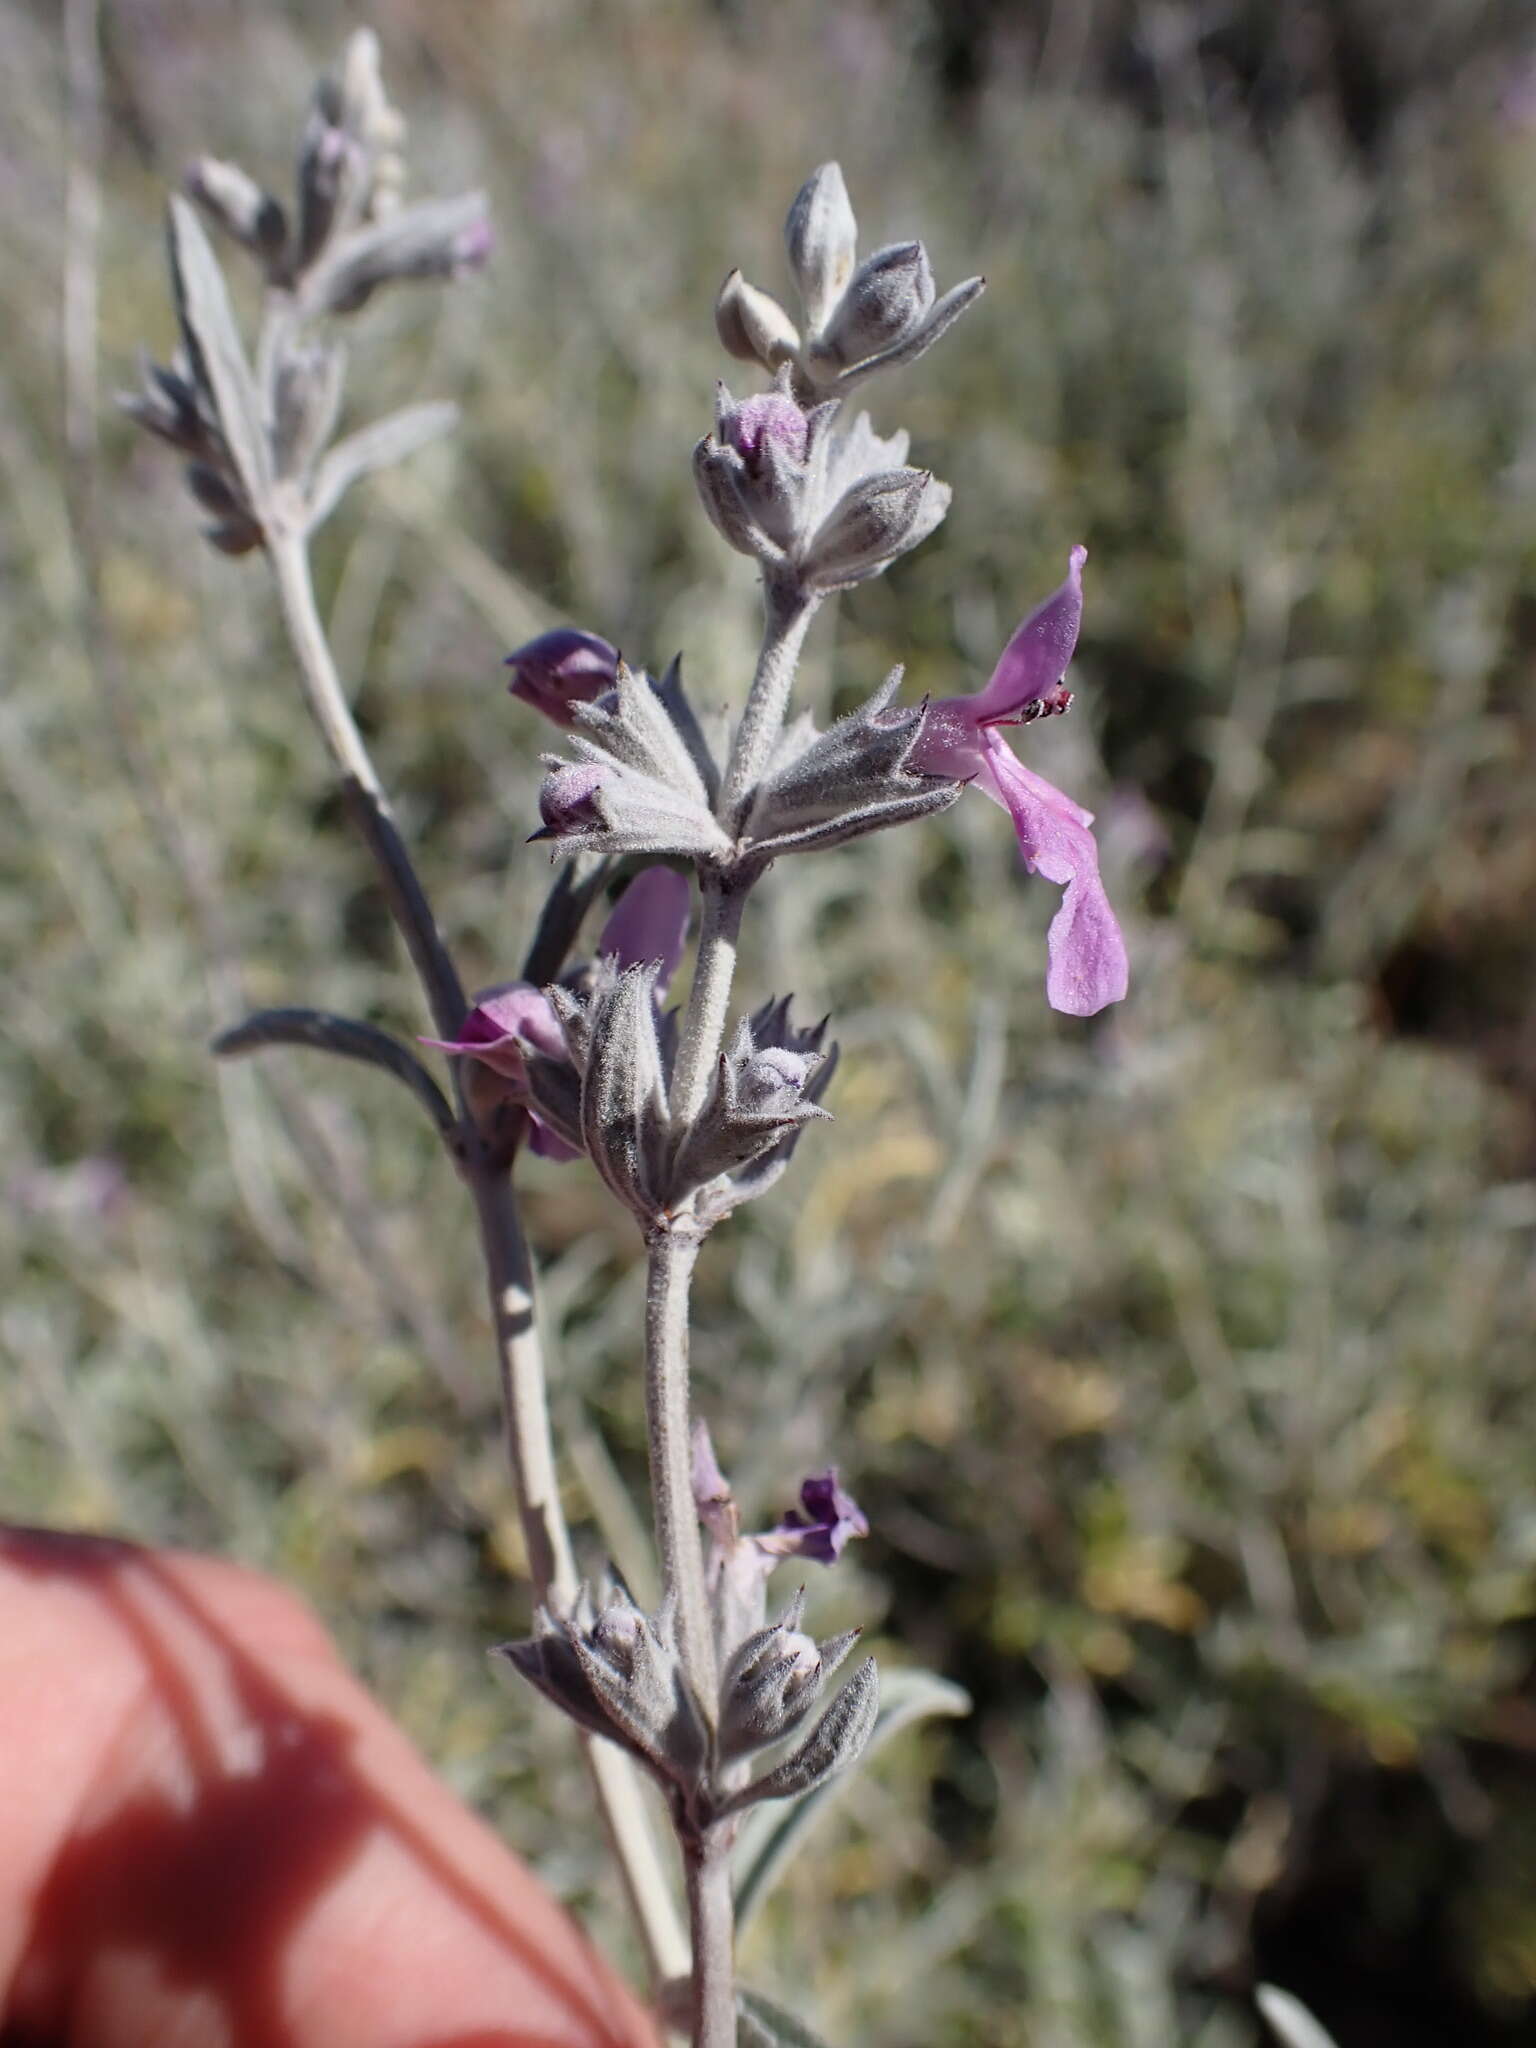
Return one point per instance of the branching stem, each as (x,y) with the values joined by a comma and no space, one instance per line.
(711,1921)
(788,608)
(680,1550)
(509,1271)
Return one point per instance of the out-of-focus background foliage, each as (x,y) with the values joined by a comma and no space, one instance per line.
(1183,1361)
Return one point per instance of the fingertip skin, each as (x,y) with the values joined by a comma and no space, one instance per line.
(213,1833)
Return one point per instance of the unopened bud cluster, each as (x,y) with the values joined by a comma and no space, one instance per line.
(260,437)
(858,317)
(619,1673)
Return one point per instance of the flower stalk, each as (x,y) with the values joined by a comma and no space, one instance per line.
(719,1706)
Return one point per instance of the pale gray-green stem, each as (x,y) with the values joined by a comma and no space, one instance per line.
(671,1254)
(788,608)
(712,1925)
(709,999)
(519,1353)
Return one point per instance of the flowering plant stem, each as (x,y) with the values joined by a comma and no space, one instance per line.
(673,1250)
(509,1270)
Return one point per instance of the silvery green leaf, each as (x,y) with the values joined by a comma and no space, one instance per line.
(345,1036)
(216,352)
(1294,2026)
(833,1744)
(764,2024)
(385,442)
(821,237)
(438,238)
(771,1835)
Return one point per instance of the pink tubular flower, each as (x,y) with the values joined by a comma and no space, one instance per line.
(563,667)
(649,922)
(961,737)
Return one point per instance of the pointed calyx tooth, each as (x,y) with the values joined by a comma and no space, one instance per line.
(770,1027)
(615,1672)
(761,1095)
(835,1742)
(854,778)
(887,296)
(625,1127)
(643,780)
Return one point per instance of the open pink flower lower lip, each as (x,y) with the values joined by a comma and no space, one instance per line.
(962,737)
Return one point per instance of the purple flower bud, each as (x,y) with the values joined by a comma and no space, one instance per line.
(563,667)
(568,800)
(820,1528)
(503,1021)
(772,417)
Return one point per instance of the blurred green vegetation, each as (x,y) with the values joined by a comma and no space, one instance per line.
(1183,1361)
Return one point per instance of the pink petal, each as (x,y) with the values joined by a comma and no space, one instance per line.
(503,1021)
(650,922)
(544,1141)
(1036,658)
(1088,967)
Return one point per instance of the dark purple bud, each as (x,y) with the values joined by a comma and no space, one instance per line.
(563,667)
(822,1526)
(568,800)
